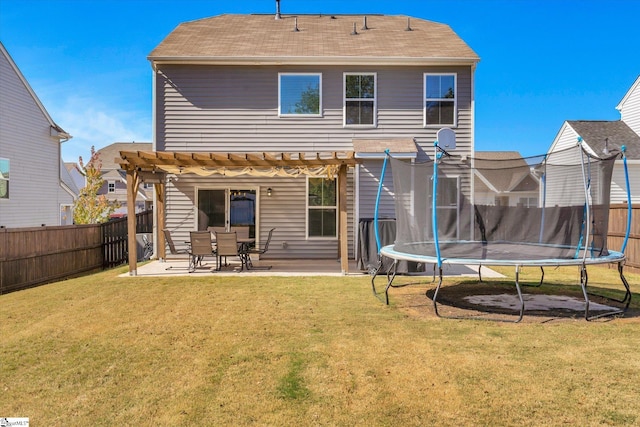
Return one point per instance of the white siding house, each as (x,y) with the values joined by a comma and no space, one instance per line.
(305,84)
(32,190)
(603,138)
(629,107)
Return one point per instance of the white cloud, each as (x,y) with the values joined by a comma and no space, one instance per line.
(94,124)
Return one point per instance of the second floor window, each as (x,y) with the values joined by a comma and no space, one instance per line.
(440,100)
(111,187)
(4,178)
(299,94)
(359,99)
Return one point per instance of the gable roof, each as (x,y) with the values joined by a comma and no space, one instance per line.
(320,39)
(614,134)
(56,130)
(634,86)
(503,171)
(110,155)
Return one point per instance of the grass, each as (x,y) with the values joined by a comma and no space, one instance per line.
(104,350)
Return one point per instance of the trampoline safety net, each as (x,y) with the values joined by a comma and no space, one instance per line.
(501,206)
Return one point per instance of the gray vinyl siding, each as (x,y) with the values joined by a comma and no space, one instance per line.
(370,172)
(205,108)
(285,210)
(235,109)
(34,155)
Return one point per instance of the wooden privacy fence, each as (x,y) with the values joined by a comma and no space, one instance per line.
(617,230)
(32,256)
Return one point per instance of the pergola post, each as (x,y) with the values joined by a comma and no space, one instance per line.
(342,221)
(159,209)
(132,190)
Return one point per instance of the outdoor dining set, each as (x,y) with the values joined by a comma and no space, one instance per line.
(222,244)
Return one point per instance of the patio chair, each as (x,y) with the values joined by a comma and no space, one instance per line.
(214,230)
(200,247)
(261,251)
(242,231)
(172,246)
(227,245)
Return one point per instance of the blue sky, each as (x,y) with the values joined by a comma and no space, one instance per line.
(542,62)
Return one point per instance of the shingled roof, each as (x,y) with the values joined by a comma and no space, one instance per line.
(319,39)
(614,134)
(504,170)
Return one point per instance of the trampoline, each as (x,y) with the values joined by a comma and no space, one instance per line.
(545,211)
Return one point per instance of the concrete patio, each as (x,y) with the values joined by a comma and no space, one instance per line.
(282,267)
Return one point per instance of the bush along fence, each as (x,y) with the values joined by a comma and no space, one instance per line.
(38,255)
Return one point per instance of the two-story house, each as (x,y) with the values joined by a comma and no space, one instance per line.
(114,186)
(34,189)
(604,138)
(283,121)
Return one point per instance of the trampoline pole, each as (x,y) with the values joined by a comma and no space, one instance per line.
(586,222)
(434,198)
(629,209)
(376,211)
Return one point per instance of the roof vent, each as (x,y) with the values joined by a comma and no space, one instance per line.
(354,32)
(296,26)
(364,27)
(606,151)
(408,25)
(278,9)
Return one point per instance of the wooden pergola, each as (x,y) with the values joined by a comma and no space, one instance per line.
(152,166)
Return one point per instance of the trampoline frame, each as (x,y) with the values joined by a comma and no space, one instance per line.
(577,260)
(613,257)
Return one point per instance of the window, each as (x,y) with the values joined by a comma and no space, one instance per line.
(359,99)
(440,100)
(111,186)
(300,95)
(4,178)
(322,209)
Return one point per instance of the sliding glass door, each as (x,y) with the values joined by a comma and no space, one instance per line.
(227,208)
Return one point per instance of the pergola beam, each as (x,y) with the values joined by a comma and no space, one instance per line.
(151,160)
(138,163)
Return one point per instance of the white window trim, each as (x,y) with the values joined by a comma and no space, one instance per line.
(425,99)
(281,114)
(375,100)
(109,186)
(307,207)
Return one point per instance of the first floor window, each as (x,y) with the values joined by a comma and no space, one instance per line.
(359,99)
(440,100)
(300,94)
(4,178)
(322,207)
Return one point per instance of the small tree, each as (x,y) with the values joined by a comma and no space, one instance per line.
(91,208)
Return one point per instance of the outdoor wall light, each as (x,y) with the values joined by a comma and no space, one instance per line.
(269,192)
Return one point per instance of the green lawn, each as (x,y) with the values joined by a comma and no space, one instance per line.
(104,350)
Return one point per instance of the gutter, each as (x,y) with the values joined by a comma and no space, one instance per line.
(306,60)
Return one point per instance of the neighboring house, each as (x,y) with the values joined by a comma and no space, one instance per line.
(69,181)
(308,95)
(76,174)
(34,189)
(604,138)
(115,180)
(503,178)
